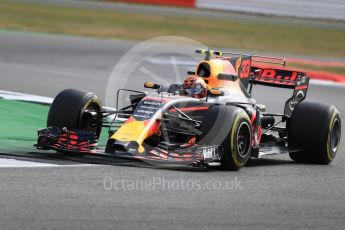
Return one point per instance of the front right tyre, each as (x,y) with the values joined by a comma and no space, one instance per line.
(231,128)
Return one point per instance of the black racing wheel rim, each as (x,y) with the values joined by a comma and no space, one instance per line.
(243,139)
(91,126)
(335,135)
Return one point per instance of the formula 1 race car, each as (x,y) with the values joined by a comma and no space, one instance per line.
(225,127)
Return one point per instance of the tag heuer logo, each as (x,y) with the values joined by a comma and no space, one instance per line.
(209,152)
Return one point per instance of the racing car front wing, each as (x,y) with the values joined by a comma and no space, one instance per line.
(84,142)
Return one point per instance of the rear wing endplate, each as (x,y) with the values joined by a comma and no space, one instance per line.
(282,78)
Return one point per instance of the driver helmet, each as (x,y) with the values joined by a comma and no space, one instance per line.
(195,87)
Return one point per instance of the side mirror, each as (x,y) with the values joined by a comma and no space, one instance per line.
(257,73)
(227,77)
(151,85)
(217,92)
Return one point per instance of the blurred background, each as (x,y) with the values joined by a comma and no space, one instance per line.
(303,29)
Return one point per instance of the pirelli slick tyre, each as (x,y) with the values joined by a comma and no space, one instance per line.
(316,128)
(67,107)
(229,127)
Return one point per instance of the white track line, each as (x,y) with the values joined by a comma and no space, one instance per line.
(9,95)
(13,163)
(327,83)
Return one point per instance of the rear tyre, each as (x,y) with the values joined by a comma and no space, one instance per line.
(67,110)
(229,127)
(316,128)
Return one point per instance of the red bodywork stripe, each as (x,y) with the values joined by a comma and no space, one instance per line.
(301,87)
(190,108)
(156,99)
(252,119)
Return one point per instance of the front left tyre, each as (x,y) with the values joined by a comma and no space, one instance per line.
(68,107)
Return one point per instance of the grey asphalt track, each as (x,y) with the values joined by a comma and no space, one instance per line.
(270,193)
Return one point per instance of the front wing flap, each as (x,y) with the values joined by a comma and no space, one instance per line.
(84,142)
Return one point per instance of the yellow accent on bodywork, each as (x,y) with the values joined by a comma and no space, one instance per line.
(132,131)
(216,92)
(149,84)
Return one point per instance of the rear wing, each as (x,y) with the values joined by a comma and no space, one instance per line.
(281,78)
(242,62)
(275,77)
(250,72)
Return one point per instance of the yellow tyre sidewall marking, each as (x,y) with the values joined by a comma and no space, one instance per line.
(94,100)
(233,139)
(329,151)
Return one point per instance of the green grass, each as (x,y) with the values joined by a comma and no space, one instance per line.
(250,36)
(20,122)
